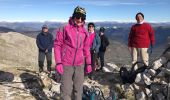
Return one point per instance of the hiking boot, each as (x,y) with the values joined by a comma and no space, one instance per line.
(49,65)
(91,77)
(41,69)
(100,69)
(41,65)
(49,69)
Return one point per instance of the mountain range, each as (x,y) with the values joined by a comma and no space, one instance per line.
(117,31)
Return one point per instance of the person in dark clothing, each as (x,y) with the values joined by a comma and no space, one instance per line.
(103,46)
(44,42)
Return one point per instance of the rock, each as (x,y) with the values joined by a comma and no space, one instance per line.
(129,95)
(166,70)
(158,63)
(148,92)
(140,96)
(168,92)
(113,67)
(55,87)
(159,96)
(46,80)
(127,87)
(105,69)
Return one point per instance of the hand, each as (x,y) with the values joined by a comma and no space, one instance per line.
(151,47)
(88,69)
(46,50)
(59,68)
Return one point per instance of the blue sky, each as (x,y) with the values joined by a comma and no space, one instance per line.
(97,10)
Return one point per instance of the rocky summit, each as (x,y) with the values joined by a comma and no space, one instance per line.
(20,79)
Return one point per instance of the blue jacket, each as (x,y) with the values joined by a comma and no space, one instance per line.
(96,43)
(44,41)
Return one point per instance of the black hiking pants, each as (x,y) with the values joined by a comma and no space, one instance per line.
(101,56)
(41,58)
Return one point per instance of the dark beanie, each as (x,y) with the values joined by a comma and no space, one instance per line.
(79,11)
(139,13)
(91,24)
(102,29)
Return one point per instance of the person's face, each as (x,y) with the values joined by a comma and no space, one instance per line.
(91,28)
(139,18)
(45,29)
(79,20)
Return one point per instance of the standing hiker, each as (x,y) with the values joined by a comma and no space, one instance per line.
(141,36)
(44,42)
(94,46)
(71,49)
(103,46)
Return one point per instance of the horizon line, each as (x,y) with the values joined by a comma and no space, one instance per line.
(55,21)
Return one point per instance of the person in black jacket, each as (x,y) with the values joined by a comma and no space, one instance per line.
(44,42)
(103,46)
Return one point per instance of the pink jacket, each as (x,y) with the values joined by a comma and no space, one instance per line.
(71,45)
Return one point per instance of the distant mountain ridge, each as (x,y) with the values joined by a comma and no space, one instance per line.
(5,29)
(34,26)
(117,31)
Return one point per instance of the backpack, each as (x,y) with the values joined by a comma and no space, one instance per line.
(130,76)
(93,93)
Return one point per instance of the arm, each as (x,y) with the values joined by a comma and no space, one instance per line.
(151,35)
(86,50)
(107,41)
(130,37)
(51,42)
(58,42)
(39,44)
(98,42)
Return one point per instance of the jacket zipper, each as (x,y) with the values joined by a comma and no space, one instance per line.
(76,46)
(80,40)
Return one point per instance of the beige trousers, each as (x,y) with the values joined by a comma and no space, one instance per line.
(140,52)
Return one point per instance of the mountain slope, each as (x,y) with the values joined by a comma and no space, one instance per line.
(17,50)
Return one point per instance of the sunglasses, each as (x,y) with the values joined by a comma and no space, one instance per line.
(91,26)
(45,28)
(82,18)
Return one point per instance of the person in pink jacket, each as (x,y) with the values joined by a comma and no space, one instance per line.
(71,49)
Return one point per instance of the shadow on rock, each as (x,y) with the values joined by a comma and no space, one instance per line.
(35,85)
(6,76)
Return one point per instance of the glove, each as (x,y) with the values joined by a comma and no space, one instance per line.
(59,68)
(88,69)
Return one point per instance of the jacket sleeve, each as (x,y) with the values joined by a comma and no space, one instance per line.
(39,44)
(130,37)
(107,41)
(58,42)
(51,42)
(86,49)
(151,35)
(98,42)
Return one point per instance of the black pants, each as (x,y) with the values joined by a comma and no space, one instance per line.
(41,58)
(93,60)
(101,56)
